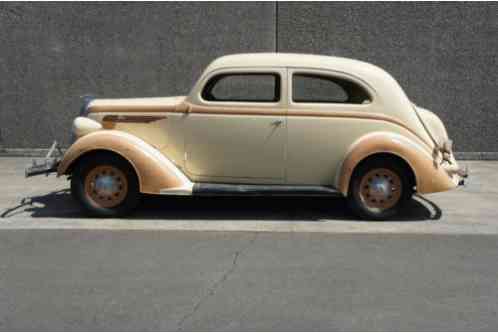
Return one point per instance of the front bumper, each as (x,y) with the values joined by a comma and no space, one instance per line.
(47,165)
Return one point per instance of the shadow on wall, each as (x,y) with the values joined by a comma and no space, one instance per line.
(313,209)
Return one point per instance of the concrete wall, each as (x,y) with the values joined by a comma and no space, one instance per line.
(52,54)
(443,54)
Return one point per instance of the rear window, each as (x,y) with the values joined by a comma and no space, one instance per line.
(313,88)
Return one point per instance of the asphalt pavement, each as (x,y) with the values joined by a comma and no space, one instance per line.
(247,263)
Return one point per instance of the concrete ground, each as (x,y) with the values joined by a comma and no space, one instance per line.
(45,202)
(293,264)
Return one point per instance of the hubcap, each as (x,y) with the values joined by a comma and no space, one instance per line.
(106,186)
(380,189)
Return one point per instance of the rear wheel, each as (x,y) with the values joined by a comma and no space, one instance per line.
(105,185)
(379,188)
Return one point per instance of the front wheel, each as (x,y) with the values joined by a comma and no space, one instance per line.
(105,185)
(379,189)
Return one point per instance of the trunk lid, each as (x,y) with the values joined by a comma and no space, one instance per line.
(433,125)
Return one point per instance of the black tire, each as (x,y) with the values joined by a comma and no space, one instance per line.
(118,204)
(365,194)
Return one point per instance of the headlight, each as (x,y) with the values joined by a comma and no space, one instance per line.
(83,126)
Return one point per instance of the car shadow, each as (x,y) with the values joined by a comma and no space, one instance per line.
(60,204)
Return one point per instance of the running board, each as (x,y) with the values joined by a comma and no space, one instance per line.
(216,189)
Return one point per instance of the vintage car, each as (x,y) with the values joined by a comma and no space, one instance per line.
(263,124)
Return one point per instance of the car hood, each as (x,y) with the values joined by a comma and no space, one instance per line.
(433,125)
(150,104)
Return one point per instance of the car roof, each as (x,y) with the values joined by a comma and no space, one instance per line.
(346,65)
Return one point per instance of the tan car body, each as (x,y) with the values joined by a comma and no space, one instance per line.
(174,142)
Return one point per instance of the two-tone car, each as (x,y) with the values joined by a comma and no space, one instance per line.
(264,124)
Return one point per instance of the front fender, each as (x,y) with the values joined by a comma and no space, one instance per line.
(156,173)
(430,176)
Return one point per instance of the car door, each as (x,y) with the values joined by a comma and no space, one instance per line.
(327,113)
(236,127)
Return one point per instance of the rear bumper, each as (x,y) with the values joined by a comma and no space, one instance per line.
(463,174)
(446,159)
(455,171)
(440,176)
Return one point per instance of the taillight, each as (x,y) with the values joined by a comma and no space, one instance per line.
(446,150)
(447,147)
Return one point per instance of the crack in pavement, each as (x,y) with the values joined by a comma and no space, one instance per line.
(212,290)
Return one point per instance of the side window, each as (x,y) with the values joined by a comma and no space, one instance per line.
(243,87)
(313,88)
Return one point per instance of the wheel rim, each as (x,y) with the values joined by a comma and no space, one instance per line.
(380,189)
(106,186)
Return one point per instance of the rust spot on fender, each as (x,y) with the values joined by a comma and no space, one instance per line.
(429,178)
(153,175)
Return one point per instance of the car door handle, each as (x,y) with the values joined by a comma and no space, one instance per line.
(277,123)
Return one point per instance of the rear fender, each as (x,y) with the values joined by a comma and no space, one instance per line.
(430,177)
(156,173)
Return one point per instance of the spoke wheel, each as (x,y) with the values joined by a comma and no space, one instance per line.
(105,184)
(380,189)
